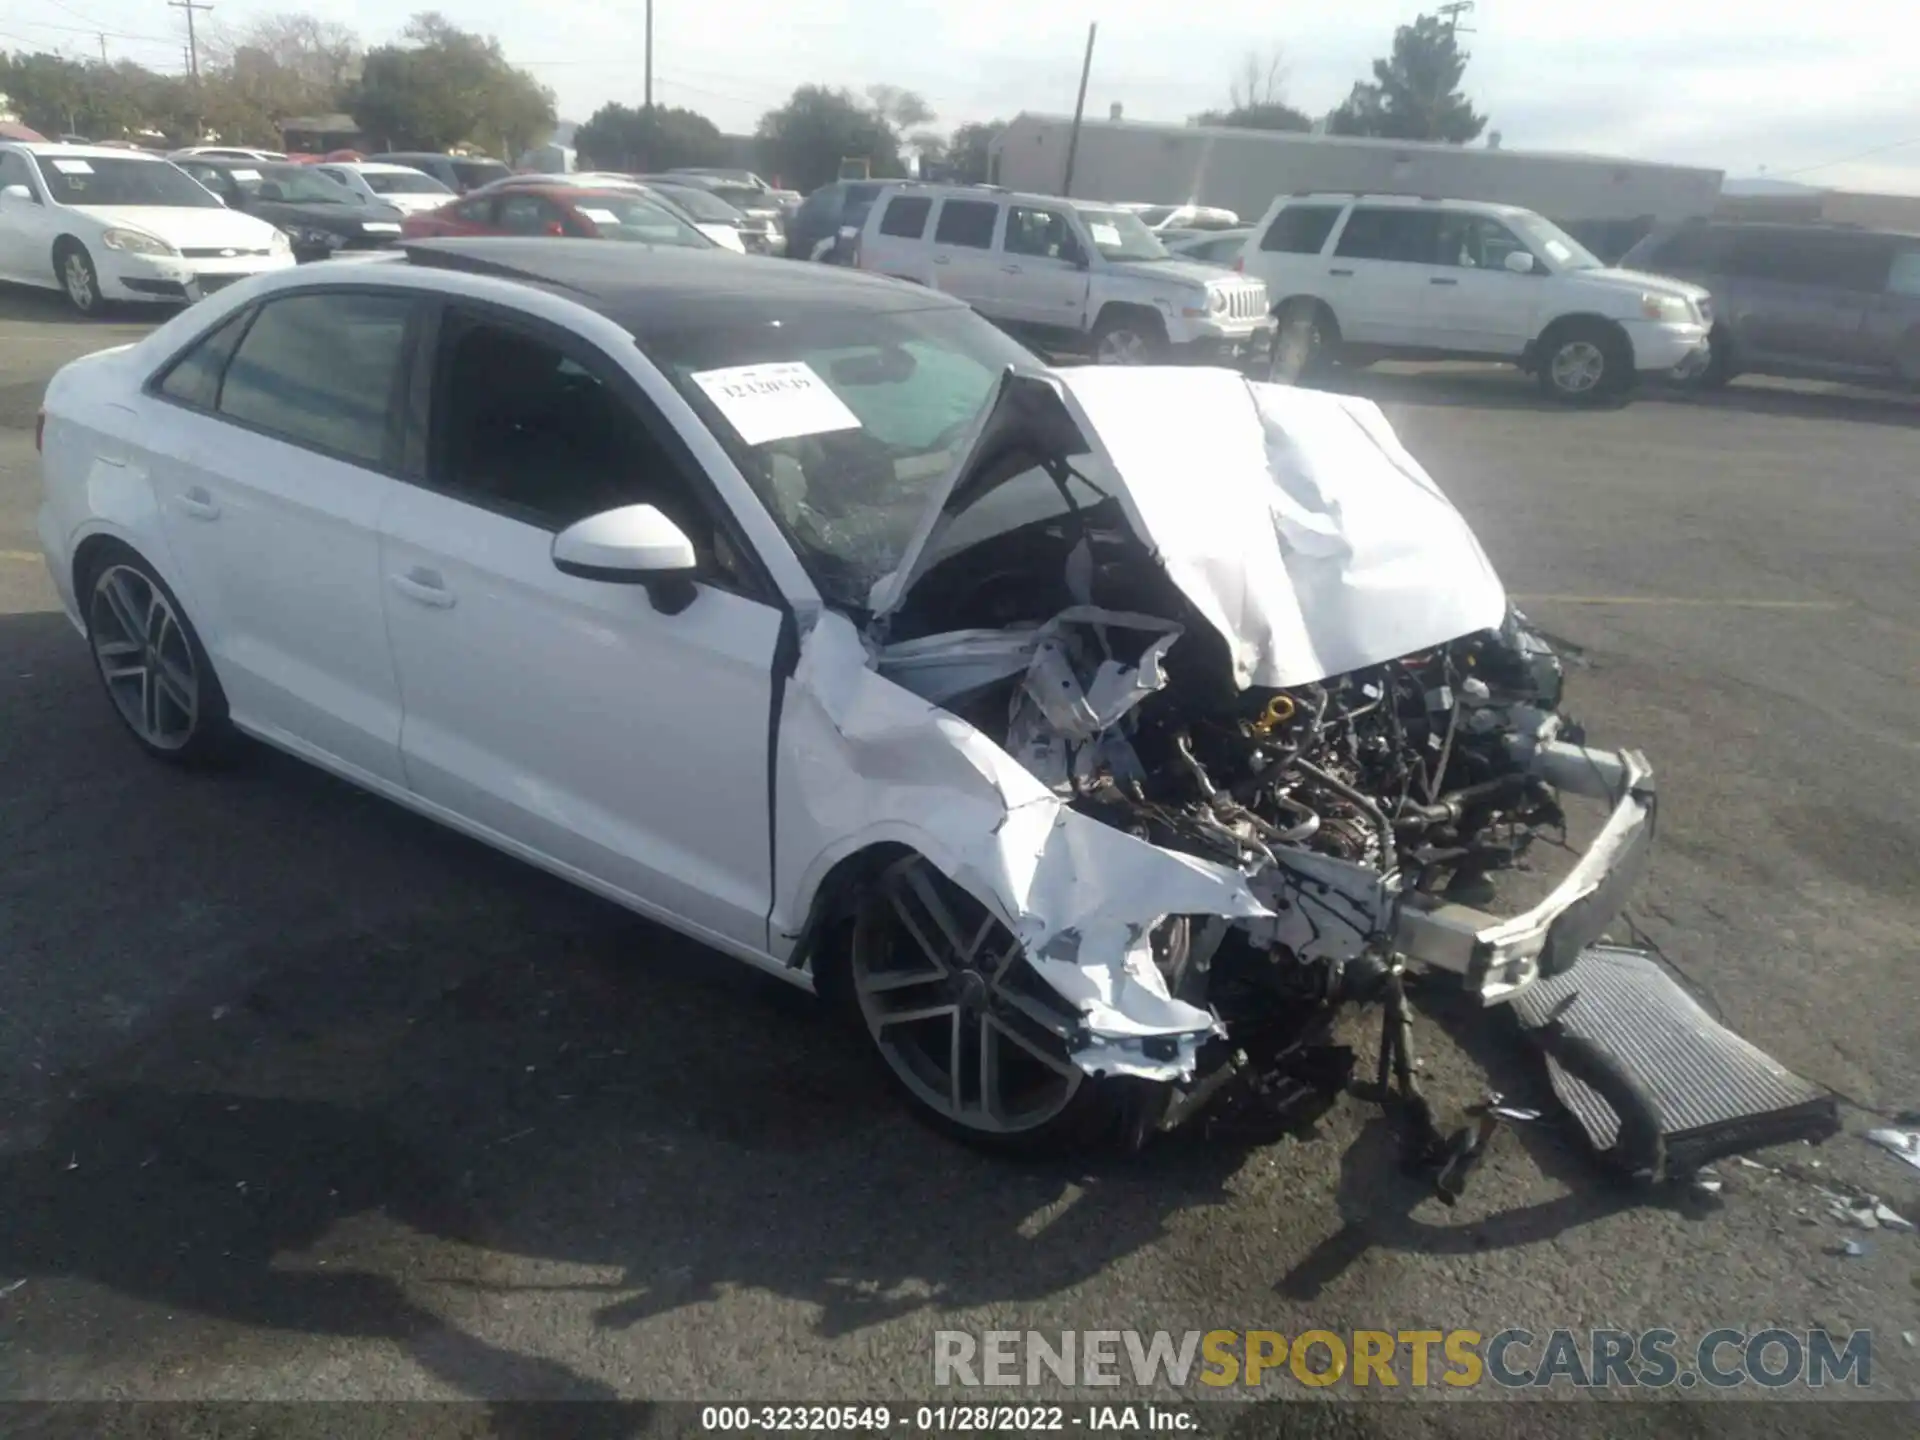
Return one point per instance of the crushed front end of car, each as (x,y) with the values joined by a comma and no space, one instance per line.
(1199,717)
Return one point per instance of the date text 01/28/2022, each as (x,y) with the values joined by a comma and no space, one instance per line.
(934,1419)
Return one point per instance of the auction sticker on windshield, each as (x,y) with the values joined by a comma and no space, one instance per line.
(775,402)
(246,174)
(1105,234)
(600,217)
(73,167)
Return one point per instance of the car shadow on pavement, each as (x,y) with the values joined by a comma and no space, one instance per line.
(29,304)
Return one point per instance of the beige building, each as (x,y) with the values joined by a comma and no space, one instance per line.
(1608,202)
(1831,207)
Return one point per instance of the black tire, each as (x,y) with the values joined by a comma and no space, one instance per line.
(1136,333)
(116,592)
(1305,343)
(1584,362)
(79,281)
(1104,1115)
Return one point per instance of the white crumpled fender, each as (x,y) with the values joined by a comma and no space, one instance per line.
(864,762)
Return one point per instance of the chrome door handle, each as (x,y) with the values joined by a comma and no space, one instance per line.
(1441,280)
(1011,270)
(1340,272)
(940,259)
(197,503)
(423,587)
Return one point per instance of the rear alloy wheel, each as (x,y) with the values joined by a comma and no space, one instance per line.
(152,664)
(1585,363)
(78,278)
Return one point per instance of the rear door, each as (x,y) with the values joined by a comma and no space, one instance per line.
(1474,304)
(964,262)
(279,449)
(570,717)
(1043,276)
(1378,274)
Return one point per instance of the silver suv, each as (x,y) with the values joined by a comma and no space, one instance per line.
(1825,302)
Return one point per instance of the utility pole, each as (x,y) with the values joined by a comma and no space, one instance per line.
(1079,108)
(103,48)
(1452,12)
(649,54)
(193,42)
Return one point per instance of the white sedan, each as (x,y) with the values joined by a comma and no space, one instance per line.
(1080,732)
(410,191)
(101,224)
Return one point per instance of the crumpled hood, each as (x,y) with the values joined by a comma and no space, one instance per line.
(1293,521)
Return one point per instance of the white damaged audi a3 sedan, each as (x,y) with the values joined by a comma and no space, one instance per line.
(1087,736)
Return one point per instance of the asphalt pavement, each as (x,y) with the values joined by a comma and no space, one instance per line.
(304,1098)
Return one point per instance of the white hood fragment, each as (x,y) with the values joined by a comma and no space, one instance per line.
(863,763)
(1294,521)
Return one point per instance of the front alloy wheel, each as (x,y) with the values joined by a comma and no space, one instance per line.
(938,980)
(1577,368)
(1124,345)
(79,280)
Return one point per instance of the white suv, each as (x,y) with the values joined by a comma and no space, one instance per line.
(1360,277)
(1071,274)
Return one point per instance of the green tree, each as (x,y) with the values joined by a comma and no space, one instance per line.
(445,86)
(970,151)
(1415,92)
(1256,97)
(620,137)
(806,139)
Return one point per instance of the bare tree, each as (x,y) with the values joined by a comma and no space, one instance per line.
(902,109)
(1261,80)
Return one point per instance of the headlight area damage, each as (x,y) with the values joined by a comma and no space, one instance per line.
(1194,714)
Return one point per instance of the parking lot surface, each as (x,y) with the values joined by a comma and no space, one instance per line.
(302,1097)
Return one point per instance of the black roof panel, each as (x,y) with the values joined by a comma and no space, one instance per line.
(647,287)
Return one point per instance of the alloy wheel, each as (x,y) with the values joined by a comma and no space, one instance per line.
(937,981)
(1123,347)
(78,276)
(145,657)
(1578,367)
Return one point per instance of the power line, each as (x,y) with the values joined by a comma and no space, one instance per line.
(1849,159)
(89,30)
(193,42)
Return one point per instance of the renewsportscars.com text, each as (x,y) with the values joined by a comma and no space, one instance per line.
(1511,1359)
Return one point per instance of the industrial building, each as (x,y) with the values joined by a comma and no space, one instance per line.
(1607,202)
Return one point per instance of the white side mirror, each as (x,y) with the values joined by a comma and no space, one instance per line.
(17,192)
(634,545)
(1519,262)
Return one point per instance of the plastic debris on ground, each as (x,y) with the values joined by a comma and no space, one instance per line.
(1903,1143)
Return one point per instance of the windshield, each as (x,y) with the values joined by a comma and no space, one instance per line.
(1120,235)
(1562,251)
(473,173)
(702,205)
(393,183)
(850,466)
(293,184)
(628,217)
(95,180)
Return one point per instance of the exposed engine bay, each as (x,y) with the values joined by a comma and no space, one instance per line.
(1292,681)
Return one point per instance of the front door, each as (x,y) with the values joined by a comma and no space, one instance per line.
(1797,308)
(271,469)
(28,227)
(1474,304)
(1042,276)
(563,715)
(1376,277)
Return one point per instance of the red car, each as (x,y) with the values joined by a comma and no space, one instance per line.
(557,210)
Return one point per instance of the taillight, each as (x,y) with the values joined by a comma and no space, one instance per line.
(39,431)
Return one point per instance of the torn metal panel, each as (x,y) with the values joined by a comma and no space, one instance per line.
(863,761)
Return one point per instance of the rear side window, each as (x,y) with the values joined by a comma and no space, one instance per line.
(906,216)
(194,378)
(322,370)
(1300,229)
(1697,247)
(1408,236)
(968,223)
(1798,257)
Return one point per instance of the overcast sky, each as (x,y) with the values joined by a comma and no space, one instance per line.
(1820,93)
